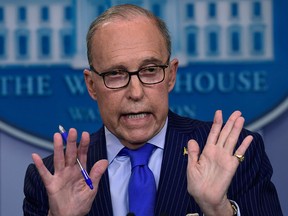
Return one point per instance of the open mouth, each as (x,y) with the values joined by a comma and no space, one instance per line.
(137,116)
(138,120)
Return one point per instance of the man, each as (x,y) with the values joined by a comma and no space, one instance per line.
(130,77)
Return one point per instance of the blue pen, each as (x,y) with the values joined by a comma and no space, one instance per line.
(83,171)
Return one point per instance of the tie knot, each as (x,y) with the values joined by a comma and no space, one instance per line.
(139,156)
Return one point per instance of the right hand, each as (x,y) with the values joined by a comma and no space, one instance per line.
(67,190)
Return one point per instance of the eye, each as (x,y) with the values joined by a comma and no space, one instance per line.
(151,69)
(116,73)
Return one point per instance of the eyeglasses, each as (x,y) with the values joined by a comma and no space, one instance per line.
(120,78)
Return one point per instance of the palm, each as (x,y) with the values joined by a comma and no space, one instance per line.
(63,188)
(210,174)
(67,191)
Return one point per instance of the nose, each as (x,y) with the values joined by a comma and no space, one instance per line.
(135,88)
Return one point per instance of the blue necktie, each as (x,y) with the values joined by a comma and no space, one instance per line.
(142,186)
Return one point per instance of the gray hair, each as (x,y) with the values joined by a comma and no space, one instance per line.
(125,11)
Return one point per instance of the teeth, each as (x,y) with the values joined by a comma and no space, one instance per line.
(142,115)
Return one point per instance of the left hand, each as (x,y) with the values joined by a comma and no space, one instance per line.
(210,174)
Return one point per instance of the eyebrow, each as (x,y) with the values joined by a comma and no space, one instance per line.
(152,60)
(146,61)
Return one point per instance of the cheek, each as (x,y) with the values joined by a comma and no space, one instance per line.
(108,103)
(107,111)
(104,101)
(160,97)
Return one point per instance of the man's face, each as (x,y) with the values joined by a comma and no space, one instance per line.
(137,112)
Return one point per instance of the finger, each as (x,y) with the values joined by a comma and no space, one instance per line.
(71,148)
(97,171)
(59,160)
(244,145)
(44,173)
(228,127)
(216,128)
(193,152)
(233,137)
(83,148)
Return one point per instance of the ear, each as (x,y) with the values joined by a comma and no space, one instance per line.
(173,66)
(90,84)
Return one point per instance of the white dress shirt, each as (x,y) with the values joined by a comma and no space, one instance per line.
(119,168)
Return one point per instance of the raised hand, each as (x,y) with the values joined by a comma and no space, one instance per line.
(210,174)
(67,190)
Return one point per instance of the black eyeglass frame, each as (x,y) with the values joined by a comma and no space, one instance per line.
(131,73)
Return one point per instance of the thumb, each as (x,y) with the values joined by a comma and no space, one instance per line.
(97,171)
(193,151)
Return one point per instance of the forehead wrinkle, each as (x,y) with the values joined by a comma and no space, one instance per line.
(138,52)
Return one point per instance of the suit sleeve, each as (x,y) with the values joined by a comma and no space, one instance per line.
(36,200)
(251,186)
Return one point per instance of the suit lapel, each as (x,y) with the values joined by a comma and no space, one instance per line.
(102,204)
(172,195)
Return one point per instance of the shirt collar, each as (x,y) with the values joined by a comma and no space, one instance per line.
(114,145)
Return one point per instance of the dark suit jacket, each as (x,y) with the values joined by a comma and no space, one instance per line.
(251,187)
